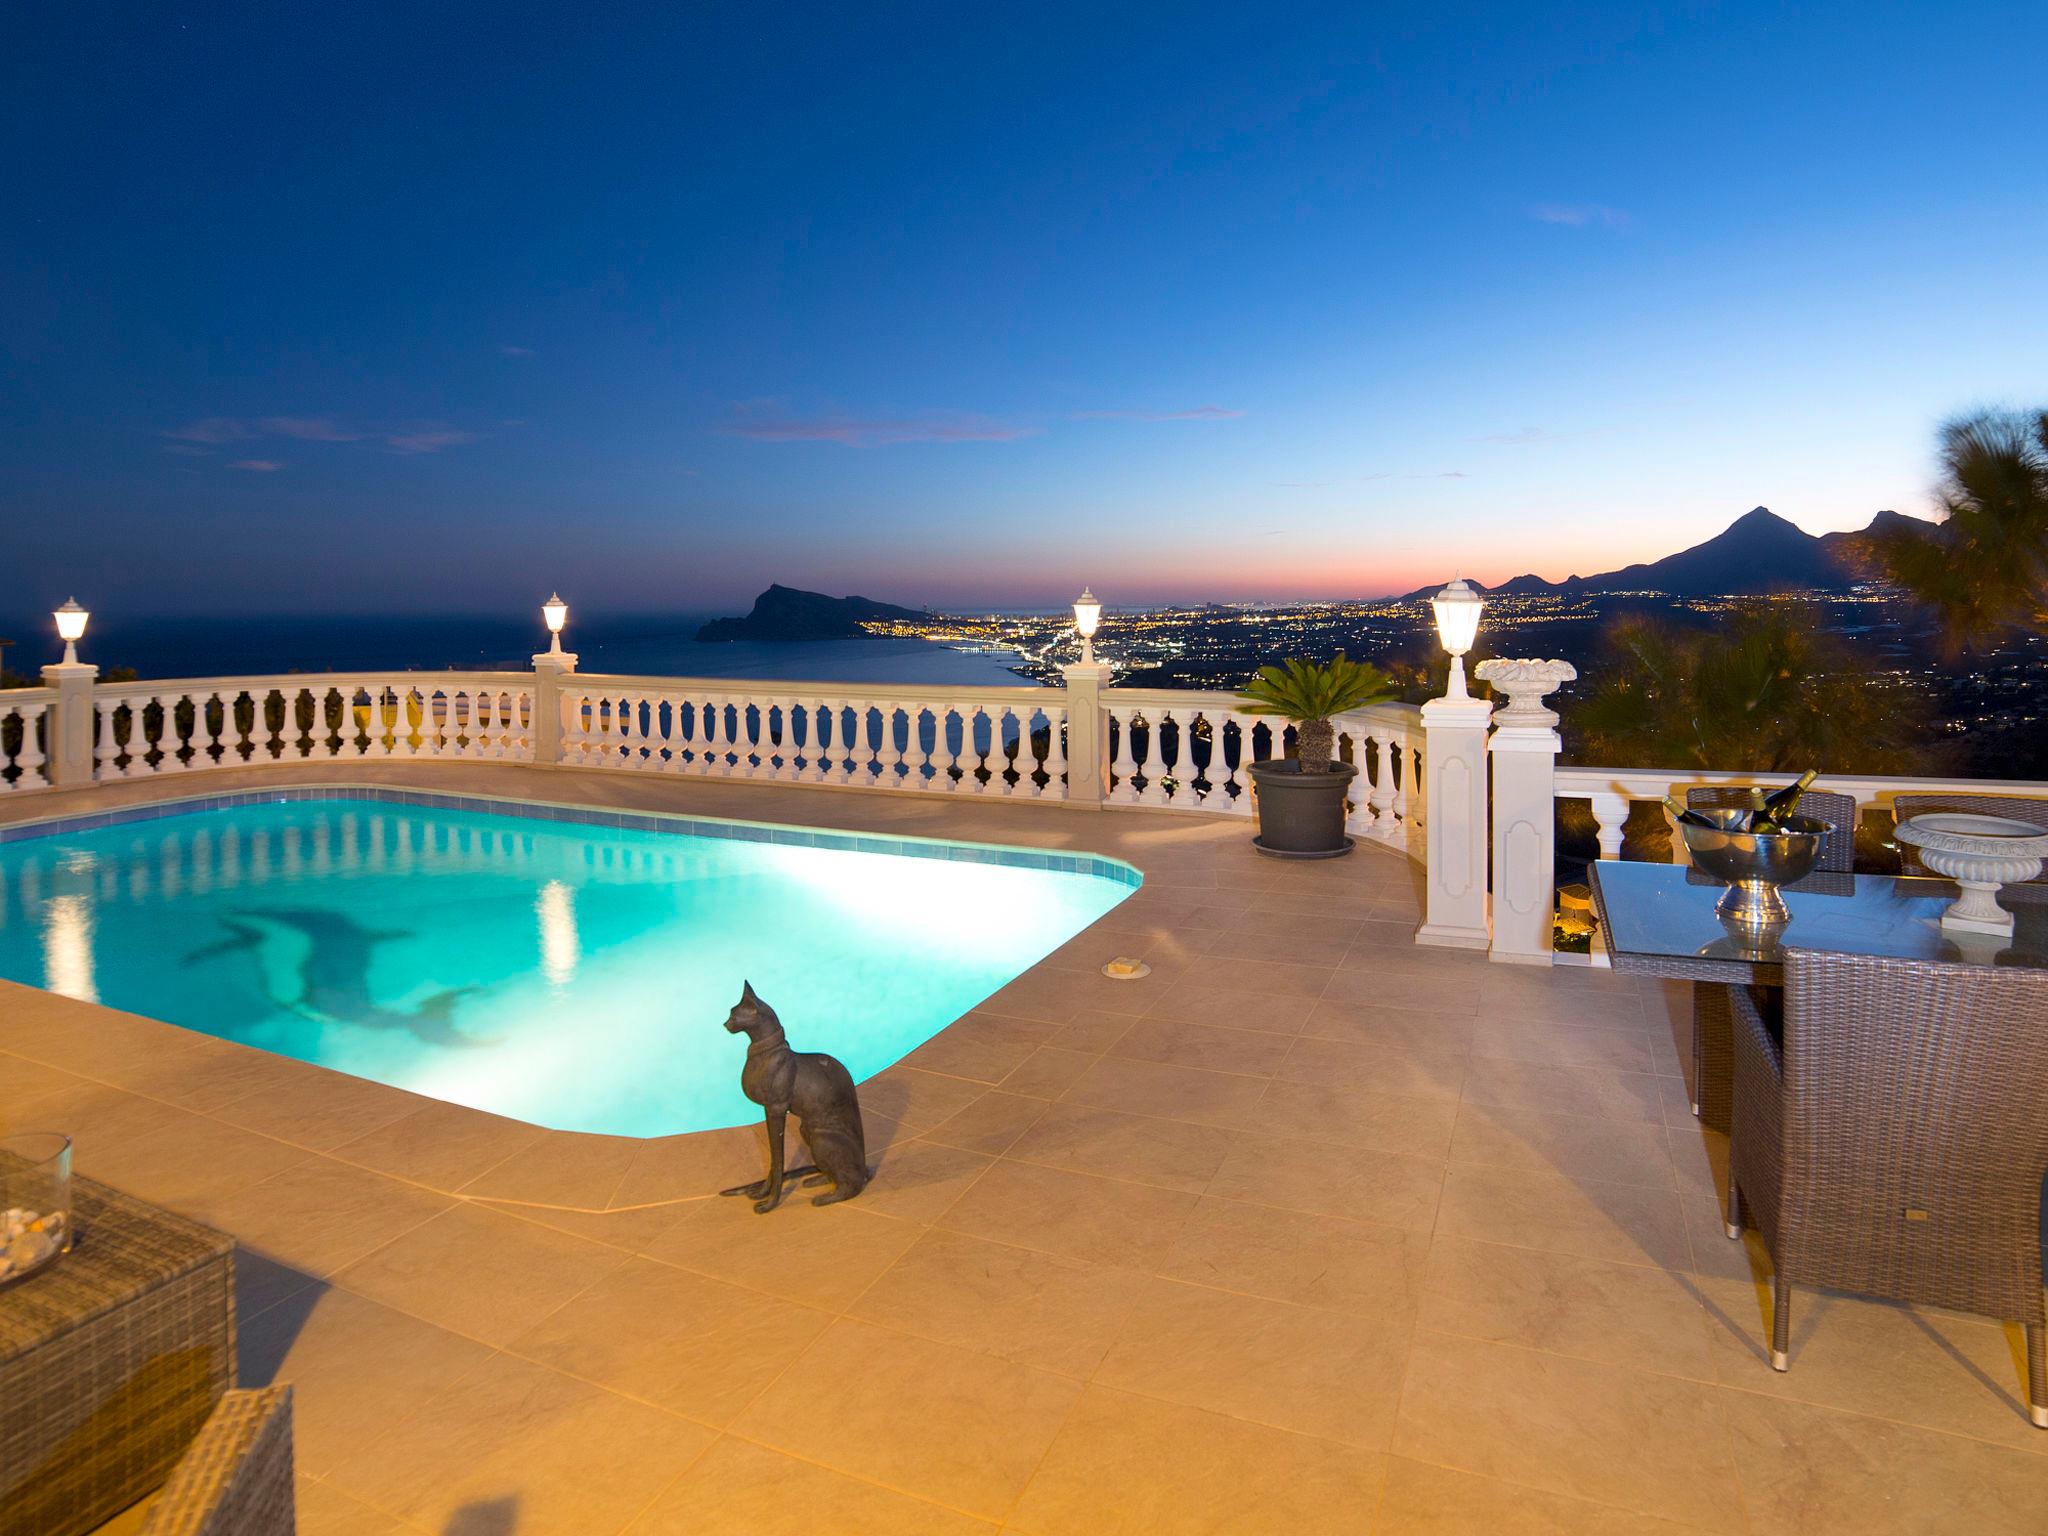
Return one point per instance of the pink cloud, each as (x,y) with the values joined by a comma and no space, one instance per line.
(213,429)
(1197,413)
(309,429)
(257,466)
(511,351)
(428,440)
(764,424)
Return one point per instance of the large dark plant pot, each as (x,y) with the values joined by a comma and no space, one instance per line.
(1301,815)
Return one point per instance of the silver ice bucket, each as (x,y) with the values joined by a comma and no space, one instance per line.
(1754,864)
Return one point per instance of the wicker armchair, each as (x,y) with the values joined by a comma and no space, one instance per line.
(2011,807)
(235,1479)
(1894,1145)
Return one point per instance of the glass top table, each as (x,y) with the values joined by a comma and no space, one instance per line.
(1658,920)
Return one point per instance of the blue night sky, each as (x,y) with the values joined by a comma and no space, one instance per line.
(340,308)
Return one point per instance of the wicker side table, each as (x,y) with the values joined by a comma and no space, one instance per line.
(110,1361)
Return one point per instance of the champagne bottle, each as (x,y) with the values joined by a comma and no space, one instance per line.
(1687,814)
(1774,808)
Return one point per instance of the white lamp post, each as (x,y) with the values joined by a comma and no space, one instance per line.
(1457,624)
(71,620)
(556,612)
(1087,619)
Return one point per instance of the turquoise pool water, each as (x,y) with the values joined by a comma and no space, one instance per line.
(573,975)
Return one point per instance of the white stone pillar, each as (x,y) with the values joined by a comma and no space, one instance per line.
(1524,751)
(549,668)
(69,723)
(1085,733)
(1454,759)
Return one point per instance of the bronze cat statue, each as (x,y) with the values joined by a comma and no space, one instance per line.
(813,1086)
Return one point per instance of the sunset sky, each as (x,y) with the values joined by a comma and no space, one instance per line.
(409,308)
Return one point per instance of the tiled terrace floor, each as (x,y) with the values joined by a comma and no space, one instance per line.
(1311,1230)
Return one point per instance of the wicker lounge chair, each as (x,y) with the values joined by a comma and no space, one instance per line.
(1713,1034)
(2011,807)
(235,1479)
(1894,1144)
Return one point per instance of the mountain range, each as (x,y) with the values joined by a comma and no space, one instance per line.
(1759,552)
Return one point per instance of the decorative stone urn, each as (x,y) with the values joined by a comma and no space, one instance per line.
(1525,682)
(1979,853)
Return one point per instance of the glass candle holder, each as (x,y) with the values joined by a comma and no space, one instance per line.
(35,1202)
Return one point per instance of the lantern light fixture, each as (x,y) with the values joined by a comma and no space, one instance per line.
(1087,619)
(1457,610)
(556,613)
(71,620)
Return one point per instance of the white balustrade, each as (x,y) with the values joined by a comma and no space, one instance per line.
(1180,750)
(165,728)
(1612,793)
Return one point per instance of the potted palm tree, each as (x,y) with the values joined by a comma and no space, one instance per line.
(1301,799)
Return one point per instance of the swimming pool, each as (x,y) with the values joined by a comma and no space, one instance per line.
(568,968)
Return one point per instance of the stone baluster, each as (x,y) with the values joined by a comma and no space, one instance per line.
(1675,849)
(1006,719)
(1055,763)
(891,758)
(447,725)
(203,737)
(33,718)
(1123,767)
(1156,772)
(106,750)
(1610,815)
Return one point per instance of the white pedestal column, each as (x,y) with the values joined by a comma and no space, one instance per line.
(1524,751)
(1454,764)
(1085,735)
(70,723)
(549,668)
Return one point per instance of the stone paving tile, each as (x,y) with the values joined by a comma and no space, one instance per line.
(1269,1361)
(956,1426)
(1657,1445)
(1540,1208)
(1226,1099)
(1812,1471)
(1034,1308)
(1086,1138)
(1328,1180)
(1594,1309)
(821,1256)
(1921,1366)
(1181,1044)
(1072,1215)
(1423,1500)
(1126,1465)
(363,1367)
(547,1451)
(742,1487)
(1584,1148)
(514,1273)
(1197,1002)
(686,1342)
(1353,1267)
(991,1124)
